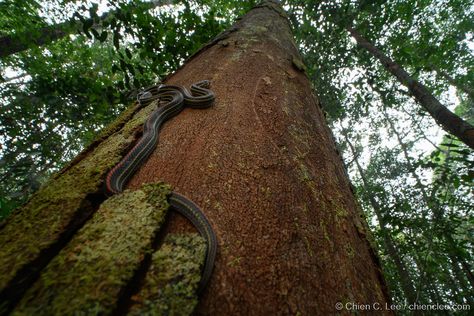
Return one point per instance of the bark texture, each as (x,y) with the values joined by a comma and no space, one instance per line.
(91,271)
(449,121)
(263,166)
(36,233)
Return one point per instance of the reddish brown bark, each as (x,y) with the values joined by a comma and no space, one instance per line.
(263,166)
(449,121)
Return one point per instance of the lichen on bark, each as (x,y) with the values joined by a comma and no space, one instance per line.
(62,204)
(89,273)
(171,282)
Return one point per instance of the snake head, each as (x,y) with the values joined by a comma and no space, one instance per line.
(144,95)
(204,84)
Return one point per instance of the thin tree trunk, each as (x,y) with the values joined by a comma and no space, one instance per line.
(412,169)
(450,122)
(459,276)
(433,206)
(12,44)
(405,278)
(467,271)
(420,130)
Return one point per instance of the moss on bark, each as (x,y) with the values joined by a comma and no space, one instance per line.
(172,280)
(61,205)
(89,273)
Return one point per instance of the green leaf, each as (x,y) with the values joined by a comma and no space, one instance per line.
(450,145)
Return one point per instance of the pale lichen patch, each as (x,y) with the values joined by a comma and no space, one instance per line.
(171,282)
(139,118)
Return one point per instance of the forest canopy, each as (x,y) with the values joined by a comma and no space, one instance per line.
(392,77)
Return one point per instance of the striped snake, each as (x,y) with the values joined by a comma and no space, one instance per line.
(171,101)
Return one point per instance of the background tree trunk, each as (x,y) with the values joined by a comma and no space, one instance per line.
(12,44)
(432,204)
(392,251)
(261,163)
(450,122)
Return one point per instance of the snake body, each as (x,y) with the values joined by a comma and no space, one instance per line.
(171,101)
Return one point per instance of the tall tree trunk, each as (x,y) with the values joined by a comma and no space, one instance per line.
(467,271)
(264,167)
(450,122)
(261,163)
(405,278)
(429,201)
(12,44)
(461,280)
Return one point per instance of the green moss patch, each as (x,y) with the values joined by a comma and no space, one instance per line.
(171,283)
(61,204)
(298,64)
(87,275)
